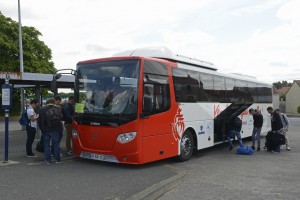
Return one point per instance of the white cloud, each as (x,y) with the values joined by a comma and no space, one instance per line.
(227,33)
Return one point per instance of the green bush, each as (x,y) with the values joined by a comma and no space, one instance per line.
(298,109)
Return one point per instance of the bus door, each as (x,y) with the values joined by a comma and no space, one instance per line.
(156,120)
(221,121)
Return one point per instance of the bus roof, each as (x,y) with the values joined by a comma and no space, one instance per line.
(165,53)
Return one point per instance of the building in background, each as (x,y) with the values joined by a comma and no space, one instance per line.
(293,97)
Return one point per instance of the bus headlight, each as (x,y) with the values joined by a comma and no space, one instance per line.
(75,133)
(126,137)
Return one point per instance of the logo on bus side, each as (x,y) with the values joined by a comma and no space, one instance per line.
(178,125)
(201,130)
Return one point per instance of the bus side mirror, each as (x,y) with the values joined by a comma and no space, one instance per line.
(53,87)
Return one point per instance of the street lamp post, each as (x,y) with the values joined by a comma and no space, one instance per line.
(21,57)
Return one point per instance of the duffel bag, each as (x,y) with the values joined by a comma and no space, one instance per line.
(245,150)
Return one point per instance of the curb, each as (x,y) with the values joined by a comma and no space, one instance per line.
(157,190)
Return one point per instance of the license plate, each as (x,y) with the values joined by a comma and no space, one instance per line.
(97,156)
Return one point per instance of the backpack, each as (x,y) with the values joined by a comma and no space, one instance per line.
(53,117)
(24,120)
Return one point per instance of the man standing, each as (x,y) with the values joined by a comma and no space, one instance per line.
(57,102)
(285,123)
(31,128)
(68,112)
(257,125)
(276,126)
(51,126)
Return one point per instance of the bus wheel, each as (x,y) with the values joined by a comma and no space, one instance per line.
(186,146)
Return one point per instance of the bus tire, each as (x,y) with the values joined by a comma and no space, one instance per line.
(186,147)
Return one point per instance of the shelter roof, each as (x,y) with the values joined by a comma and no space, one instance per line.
(25,80)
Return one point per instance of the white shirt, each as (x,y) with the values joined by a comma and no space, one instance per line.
(30,112)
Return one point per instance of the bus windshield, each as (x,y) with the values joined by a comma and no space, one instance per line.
(108,87)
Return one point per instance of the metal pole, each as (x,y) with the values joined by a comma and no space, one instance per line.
(21,58)
(6,135)
(20,38)
(6,131)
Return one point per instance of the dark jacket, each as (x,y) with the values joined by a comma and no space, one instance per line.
(276,123)
(43,121)
(68,112)
(258,120)
(235,124)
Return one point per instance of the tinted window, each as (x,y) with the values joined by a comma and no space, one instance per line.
(208,86)
(219,88)
(242,93)
(152,67)
(264,94)
(229,90)
(156,88)
(186,85)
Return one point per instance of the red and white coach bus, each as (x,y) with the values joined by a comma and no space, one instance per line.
(150,104)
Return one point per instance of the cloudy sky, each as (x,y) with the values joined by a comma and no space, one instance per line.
(260,38)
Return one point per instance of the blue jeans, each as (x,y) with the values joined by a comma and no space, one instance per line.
(233,133)
(256,136)
(54,137)
(30,139)
(60,137)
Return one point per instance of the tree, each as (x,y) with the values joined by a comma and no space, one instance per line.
(281,84)
(36,55)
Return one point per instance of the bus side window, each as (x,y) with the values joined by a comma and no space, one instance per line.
(147,100)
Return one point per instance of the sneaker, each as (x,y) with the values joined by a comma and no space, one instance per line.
(47,162)
(258,149)
(265,147)
(230,148)
(58,162)
(70,153)
(253,147)
(31,155)
(288,148)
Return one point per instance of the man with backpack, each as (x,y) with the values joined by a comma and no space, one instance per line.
(273,138)
(285,123)
(31,126)
(68,112)
(51,126)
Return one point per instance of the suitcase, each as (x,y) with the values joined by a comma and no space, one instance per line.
(245,150)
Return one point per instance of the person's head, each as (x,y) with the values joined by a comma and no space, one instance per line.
(57,100)
(34,103)
(50,102)
(277,111)
(270,110)
(251,111)
(71,100)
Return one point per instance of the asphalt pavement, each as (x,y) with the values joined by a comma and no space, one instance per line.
(29,178)
(219,174)
(213,173)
